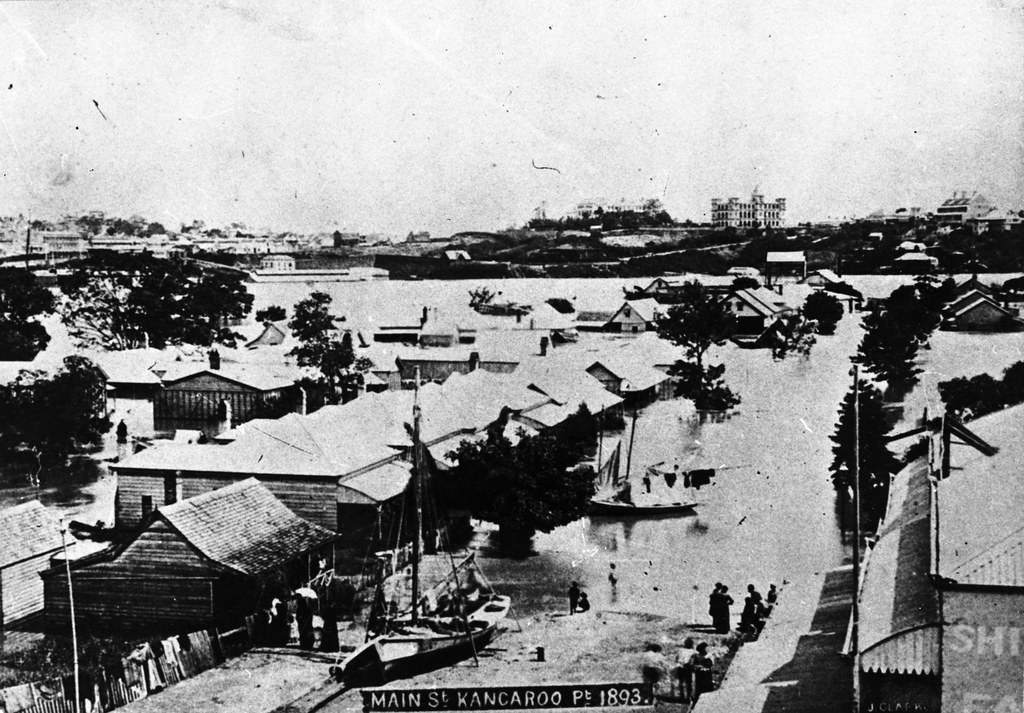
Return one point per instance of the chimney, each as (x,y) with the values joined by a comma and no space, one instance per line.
(423,316)
(214,359)
(544,346)
(474,360)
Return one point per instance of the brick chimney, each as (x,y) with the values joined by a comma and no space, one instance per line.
(214,359)
(543,346)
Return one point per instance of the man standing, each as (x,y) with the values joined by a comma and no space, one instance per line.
(574,596)
(715,604)
(722,623)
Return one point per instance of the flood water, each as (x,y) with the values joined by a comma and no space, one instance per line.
(769,516)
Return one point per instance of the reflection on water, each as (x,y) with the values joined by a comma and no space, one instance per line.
(770,513)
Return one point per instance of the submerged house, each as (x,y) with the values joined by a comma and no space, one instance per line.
(205,561)
(755,310)
(977,310)
(31,535)
(634,316)
(212,398)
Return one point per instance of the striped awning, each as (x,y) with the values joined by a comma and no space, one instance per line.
(910,651)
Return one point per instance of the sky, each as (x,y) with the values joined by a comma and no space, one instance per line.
(447,116)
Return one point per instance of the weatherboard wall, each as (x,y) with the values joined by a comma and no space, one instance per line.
(313,499)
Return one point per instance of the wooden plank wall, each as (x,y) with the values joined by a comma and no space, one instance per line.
(21,589)
(311,498)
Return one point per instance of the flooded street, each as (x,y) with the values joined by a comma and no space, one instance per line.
(769,515)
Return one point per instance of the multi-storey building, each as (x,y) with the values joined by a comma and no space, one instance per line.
(757,213)
(962,208)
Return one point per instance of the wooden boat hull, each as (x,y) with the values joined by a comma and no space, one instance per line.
(396,655)
(621,509)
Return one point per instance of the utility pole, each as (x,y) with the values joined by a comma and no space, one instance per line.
(854,642)
(71,603)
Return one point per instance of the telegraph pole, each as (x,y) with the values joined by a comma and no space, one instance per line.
(71,603)
(854,642)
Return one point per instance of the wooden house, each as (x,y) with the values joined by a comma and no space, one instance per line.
(30,535)
(755,310)
(784,264)
(205,561)
(633,317)
(220,396)
(977,312)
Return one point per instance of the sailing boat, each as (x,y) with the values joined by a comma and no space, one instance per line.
(450,621)
(618,498)
(615,497)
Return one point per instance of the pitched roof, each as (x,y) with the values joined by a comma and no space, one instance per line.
(244,527)
(647,308)
(28,530)
(785,256)
(984,549)
(262,377)
(968,305)
(761,300)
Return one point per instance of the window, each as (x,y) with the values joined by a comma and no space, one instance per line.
(147,506)
(170,489)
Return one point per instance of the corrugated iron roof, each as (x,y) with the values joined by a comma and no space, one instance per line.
(27,530)
(244,527)
(380,484)
(897,595)
(1002,565)
(980,505)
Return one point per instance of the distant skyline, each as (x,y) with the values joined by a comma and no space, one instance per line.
(397,116)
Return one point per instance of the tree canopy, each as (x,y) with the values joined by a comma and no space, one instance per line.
(22,302)
(697,322)
(124,301)
(273,313)
(825,310)
(534,485)
(877,463)
(322,348)
(53,415)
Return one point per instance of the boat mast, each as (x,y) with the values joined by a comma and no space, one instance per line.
(417,485)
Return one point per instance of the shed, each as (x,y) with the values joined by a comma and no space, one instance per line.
(31,534)
(205,561)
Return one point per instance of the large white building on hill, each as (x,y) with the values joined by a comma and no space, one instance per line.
(756,213)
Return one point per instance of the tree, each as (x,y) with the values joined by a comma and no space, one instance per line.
(119,301)
(481,296)
(320,347)
(745,283)
(698,322)
(532,486)
(889,348)
(793,335)
(825,310)
(877,463)
(273,313)
(22,301)
(52,416)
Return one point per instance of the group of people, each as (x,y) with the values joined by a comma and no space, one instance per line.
(578,601)
(689,675)
(755,608)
